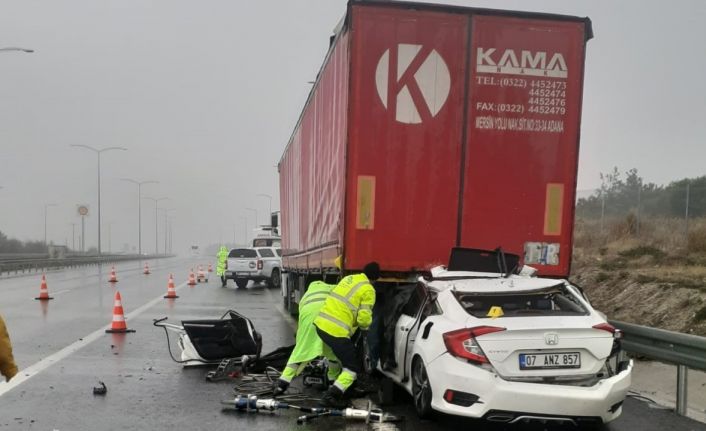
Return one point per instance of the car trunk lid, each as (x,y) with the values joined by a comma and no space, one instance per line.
(242,260)
(546,346)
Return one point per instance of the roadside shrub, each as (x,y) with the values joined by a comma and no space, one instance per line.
(697,240)
(642,250)
(602,276)
(700,315)
(613,265)
(644,279)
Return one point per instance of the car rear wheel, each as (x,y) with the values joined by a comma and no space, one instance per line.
(241,283)
(275,279)
(421,389)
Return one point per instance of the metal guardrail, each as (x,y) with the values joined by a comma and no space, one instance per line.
(683,350)
(22,266)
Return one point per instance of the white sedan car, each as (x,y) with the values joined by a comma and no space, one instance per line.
(508,349)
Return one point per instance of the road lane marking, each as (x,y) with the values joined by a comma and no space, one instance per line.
(61,291)
(34,369)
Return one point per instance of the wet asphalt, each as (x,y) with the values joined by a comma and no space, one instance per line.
(146,389)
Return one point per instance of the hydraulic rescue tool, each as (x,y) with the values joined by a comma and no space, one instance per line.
(251,403)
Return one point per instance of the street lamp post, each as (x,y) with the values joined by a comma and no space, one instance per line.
(110,236)
(45,221)
(245,221)
(171,222)
(255,211)
(14,48)
(156,215)
(265,195)
(98,154)
(139,209)
(166,229)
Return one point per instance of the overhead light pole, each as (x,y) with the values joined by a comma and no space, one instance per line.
(166,229)
(18,49)
(45,221)
(139,209)
(171,223)
(156,216)
(98,156)
(73,237)
(110,236)
(265,195)
(245,221)
(255,211)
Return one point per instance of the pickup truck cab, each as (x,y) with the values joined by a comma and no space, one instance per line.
(256,264)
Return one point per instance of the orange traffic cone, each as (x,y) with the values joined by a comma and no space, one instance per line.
(118,325)
(147,269)
(43,291)
(113,278)
(192,278)
(171,291)
(210,268)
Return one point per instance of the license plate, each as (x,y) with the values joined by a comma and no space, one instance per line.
(549,361)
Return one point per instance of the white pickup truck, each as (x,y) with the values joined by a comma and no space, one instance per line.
(257,264)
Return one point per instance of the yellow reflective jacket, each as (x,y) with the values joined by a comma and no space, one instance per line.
(348,306)
(7,362)
(309,345)
(222,260)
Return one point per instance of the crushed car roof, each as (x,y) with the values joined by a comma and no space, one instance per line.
(488,282)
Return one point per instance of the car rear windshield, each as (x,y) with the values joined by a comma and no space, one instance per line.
(551,301)
(266,252)
(242,253)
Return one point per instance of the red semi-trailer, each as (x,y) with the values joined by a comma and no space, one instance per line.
(430,127)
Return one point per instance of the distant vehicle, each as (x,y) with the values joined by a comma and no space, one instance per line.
(267,241)
(508,348)
(256,264)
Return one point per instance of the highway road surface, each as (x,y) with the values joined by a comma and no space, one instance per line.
(63,352)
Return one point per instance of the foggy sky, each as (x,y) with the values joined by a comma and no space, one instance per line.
(205,95)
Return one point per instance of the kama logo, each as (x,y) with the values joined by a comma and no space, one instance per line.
(414,81)
(529,63)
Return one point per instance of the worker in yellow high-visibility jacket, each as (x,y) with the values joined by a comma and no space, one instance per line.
(347,308)
(222,265)
(309,345)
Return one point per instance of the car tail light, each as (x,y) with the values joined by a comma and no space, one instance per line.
(462,343)
(617,333)
(259,264)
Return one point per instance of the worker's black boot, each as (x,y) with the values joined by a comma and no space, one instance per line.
(279,387)
(355,391)
(333,399)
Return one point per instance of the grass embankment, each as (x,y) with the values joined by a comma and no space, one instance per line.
(655,278)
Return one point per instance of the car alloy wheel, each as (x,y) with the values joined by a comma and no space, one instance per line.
(421,389)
